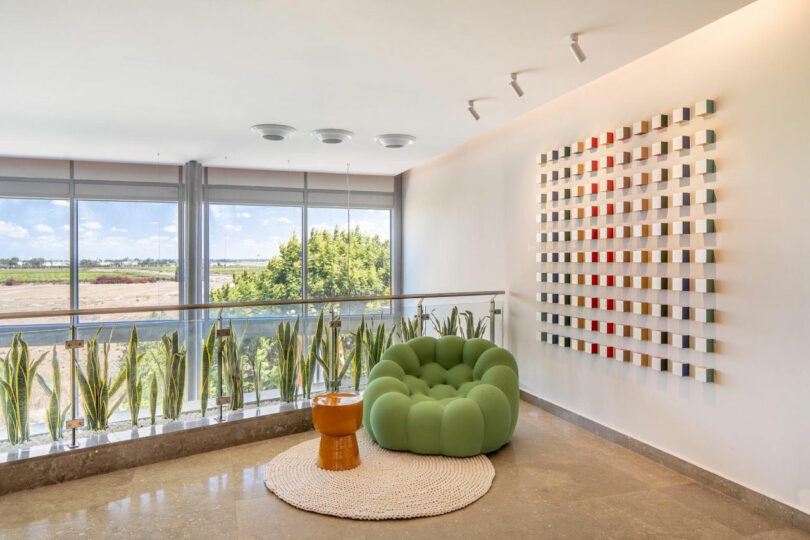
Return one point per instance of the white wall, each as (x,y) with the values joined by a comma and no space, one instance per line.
(470,223)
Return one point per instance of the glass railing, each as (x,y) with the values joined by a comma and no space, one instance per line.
(135,376)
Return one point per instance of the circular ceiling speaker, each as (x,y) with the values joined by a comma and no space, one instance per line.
(394,140)
(273,132)
(332,136)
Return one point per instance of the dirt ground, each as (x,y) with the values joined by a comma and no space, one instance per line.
(54,296)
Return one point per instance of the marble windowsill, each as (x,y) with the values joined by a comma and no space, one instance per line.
(111,438)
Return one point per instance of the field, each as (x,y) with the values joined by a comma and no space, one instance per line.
(62,275)
(47,289)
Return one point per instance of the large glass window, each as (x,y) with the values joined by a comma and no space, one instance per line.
(128,255)
(254,252)
(34,256)
(349,252)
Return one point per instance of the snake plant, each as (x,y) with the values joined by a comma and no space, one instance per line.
(329,358)
(376,344)
(54,418)
(16,379)
(95,386)
(287,345)
(174,376)
(205,367)
(409,328)
(356,356)
(447,327)
(153,396)
(250,350)
(232,369)
(134,385)
(308,363)
(472,329)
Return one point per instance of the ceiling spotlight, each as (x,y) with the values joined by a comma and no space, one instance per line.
(332,136)
(515,86)
(576,50)
(471,108)
(394,140)
(273,132)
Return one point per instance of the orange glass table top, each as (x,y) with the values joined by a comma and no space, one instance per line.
(337,416)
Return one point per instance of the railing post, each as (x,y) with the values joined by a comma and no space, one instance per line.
(220,401)
(493,311)
(334,338)
(420,314)
(73,384)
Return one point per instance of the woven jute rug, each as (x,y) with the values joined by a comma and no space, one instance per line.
(386,485)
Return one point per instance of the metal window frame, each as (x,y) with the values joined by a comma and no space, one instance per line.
(197,256)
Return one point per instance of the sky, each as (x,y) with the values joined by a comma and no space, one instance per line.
(255,232)
(117,230)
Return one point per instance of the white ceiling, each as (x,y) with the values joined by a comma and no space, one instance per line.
(128,80)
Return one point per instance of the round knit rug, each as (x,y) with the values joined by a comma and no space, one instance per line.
(386,485)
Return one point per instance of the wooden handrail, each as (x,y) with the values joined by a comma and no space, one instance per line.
(258,303)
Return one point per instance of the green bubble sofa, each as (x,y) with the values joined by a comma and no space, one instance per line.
(446,396)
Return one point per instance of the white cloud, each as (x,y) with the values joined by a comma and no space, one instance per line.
(60,203)
(249,242)
(65,227)
(152,240)
(229,227)
(285,220)
(12,230)
(117,229)
(170,228)
(92,225)
(243,215)
(44,228)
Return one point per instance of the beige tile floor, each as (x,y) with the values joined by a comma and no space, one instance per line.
(554,480)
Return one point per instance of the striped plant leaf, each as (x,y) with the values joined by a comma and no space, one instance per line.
(95,387)
(356,356)
(287,346)
(153,395)
(312,358)
(232,369)
(205,367)
(174,378)
(133,380)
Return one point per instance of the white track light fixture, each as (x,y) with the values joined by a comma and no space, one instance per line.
(515,86)
(471,108)
(576,50)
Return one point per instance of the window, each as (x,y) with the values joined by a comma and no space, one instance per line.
(254,252)
(34,256)
(128,254)
(355,264)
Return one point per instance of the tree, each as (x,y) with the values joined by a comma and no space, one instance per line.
(368,265)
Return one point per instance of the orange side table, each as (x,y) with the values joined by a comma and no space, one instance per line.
(337,417)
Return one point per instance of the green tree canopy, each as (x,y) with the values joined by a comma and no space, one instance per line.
(368,265)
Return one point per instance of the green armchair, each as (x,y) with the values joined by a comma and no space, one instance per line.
(446,396)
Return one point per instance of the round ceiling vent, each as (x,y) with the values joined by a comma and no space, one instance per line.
(394,140)
(273,132)
(332,136)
